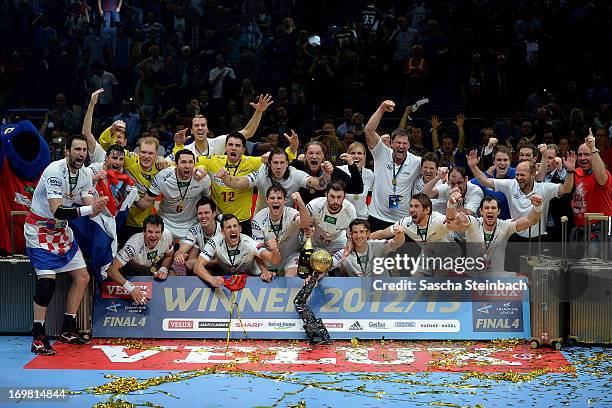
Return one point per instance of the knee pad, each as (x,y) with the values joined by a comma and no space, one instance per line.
(44,291)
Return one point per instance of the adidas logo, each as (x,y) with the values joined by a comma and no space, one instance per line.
(356,326)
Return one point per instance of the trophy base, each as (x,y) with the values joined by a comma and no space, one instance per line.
(317,332)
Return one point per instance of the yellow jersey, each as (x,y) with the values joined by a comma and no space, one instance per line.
(142,179)
(230,200)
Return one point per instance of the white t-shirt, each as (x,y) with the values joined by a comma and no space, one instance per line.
(297,179)
(330,229)
(98,155)
(165,182)
(237,259)
(364,265)
(216,146)
(360,200)
(384,168)
(286,231)
(136,250)
(196,237)
(55,183)
(520,203)
(473,197)
(476,246)
(419,186)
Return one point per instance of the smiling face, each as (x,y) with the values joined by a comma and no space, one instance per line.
(206,216)
(526,153)
(523,176)
(147,155)
(358,155)
(152,234)
(585,157)
(429,169)
(502,164)
(199,129)
(359,235)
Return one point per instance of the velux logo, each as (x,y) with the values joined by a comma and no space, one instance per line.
(356,326)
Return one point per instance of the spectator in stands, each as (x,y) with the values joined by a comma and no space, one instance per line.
(448,154)
(501,170)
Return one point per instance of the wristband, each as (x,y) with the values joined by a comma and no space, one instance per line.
(129,286)
(85,210)
(594,151)
(450,205)
(163,269)
(537,209)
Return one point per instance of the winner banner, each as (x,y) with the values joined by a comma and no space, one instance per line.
(367,308)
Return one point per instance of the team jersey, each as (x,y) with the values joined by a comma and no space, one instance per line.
(55,182)
(385,206)
(50,243)
(178,205)
(230,200)
(360,200)
(286,231)
(238,259)
(297,179)
(473,197)
(196,237)
(330,229)
(216,146)
(520,203)
(98,155)
(494,249)
(142,181)
(362,263)
(136,250)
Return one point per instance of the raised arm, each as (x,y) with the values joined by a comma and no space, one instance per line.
(372,138)
(461,132)
(599,168)
(272,254)
(86,130)
(430,187)
(263,102)
(404,120)
(435,124)
(230,181)
(533,217)
(456,221)
(321,182)
(570,167)
(541,174)
(305,219)
(473,160)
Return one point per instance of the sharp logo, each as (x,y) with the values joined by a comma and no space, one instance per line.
(246,325)
(485,309)
(113,307)
(356,326)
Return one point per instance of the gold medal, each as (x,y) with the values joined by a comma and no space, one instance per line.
(153,270)
(180,206)
(394,181)
(311,191)
(355,197)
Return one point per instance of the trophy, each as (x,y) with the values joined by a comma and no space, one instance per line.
(316,263)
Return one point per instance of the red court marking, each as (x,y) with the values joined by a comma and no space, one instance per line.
(298,356)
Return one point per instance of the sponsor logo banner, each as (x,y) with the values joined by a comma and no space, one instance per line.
(184,307)
(299,356)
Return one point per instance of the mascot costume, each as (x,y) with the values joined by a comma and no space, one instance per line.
(24,154)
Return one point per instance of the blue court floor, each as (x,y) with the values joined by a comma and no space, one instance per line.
(588,386)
